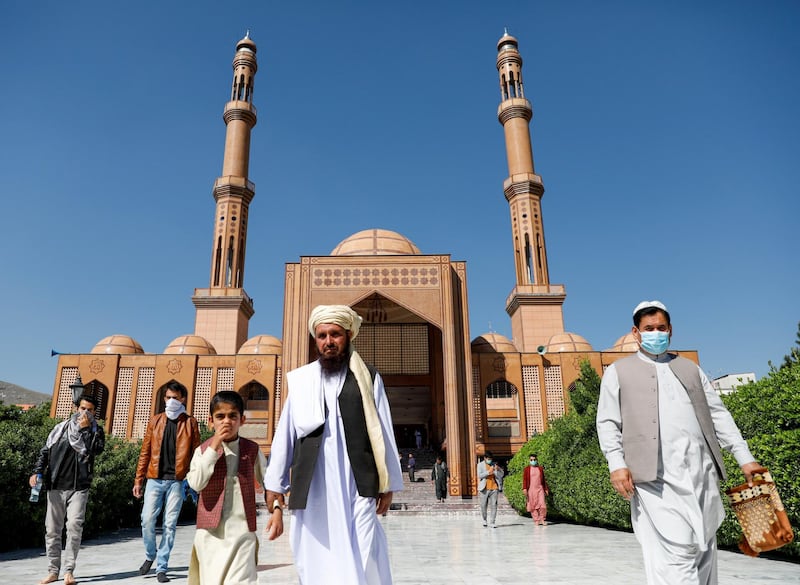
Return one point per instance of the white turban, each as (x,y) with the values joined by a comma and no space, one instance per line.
(349,320)
(340,315)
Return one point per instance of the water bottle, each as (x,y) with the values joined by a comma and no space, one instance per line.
(36,489)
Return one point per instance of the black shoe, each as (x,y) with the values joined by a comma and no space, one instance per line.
(162,577)
(145,568)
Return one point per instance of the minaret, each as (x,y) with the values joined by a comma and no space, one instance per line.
(535,305)
(224,309)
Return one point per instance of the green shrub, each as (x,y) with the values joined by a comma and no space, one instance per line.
(111,503)
(768,414)
(22,434)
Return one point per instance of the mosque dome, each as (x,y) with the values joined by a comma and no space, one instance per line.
(190,344)
(493,343)
(625,343)
(567,342)
(262,344)
(376,242)
(121,344)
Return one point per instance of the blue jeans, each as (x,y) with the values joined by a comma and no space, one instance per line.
(156,492)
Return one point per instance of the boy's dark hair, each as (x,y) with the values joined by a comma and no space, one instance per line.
(176,387)
(487,454)
(228,397)
(637,317)
(88,398)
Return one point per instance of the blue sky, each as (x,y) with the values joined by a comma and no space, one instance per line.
(666,133)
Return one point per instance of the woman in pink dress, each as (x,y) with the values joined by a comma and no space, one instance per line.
(535,488)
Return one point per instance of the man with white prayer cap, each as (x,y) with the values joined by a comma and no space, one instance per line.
(661,425)
(334,450)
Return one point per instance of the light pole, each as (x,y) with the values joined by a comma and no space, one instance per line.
(77,390)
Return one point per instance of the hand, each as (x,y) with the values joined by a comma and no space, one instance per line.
(622,480)
(83,419)
(274,526)
(137,491)
(216,441)
(749,469)
(33,479)
(384,501)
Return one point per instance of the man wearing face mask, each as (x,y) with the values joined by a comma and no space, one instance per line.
(661,425)
(65,466)
(169,442)
(489,477)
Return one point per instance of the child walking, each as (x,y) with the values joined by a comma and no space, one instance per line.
(224,470)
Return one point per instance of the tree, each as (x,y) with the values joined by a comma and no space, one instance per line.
(793,357)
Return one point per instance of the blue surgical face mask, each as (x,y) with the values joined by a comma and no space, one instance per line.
(655,342)
(488,461)
(534,462)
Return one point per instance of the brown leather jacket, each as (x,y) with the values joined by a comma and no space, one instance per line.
(187,440)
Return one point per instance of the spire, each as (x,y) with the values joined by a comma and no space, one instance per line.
(224,309)
(535,304)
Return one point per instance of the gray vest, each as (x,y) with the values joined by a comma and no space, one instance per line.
(638,400)
(359,448)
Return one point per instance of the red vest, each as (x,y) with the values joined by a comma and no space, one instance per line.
(209,506)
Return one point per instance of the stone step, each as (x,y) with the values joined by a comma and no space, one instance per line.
(419,498)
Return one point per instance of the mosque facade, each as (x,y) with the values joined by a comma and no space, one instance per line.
(465,395)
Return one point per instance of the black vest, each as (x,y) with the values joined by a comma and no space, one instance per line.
(359,448)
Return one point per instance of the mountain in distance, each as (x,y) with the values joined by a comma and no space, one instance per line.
(17,395)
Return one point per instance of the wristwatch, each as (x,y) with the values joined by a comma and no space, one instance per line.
(276,505)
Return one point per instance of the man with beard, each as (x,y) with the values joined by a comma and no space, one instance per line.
(335,437)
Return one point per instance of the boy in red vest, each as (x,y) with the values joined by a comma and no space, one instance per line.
(224,471)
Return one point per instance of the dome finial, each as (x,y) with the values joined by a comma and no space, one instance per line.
(247,34)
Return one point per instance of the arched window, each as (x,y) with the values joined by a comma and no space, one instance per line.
(100,393)
(501,389)
(256,396)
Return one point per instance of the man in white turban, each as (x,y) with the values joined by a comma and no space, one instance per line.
(334,450)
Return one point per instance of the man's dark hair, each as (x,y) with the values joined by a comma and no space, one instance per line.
(532,455)
(88,398)
(646,312)
(487,454)
(227,397)
(176,387)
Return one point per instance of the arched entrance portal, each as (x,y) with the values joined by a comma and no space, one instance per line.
(415,332)
(407,352)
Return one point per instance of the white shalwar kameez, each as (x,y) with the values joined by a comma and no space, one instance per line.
(676,517)
(227,554)
(337,538)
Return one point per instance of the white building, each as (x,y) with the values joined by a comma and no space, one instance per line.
(729,382)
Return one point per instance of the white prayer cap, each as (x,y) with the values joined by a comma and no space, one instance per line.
(650,304)
(340,315)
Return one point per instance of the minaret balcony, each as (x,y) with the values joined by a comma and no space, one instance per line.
(240,110)
(234,181)
(523,184)
(514,108)
(536,294)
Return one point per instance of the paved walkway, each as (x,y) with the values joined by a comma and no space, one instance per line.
(425,550)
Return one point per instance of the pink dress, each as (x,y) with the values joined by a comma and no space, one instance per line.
(535,488)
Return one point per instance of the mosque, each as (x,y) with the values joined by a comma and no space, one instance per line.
(465,395)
